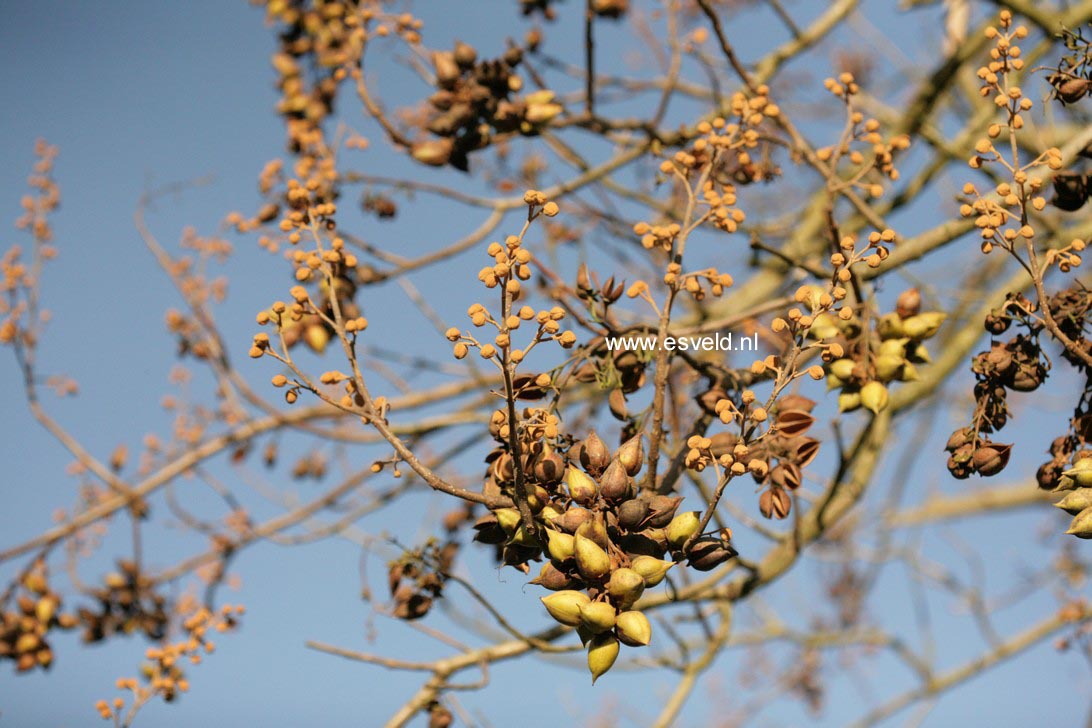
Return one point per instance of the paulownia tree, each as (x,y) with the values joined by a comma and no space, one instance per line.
(588,435)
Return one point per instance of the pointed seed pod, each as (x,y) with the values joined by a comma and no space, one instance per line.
(564,606)
(1076,501)
(595,528)
(991,459)
(908,303)
(661,509)
(631,454)
(592,562)
(615,484)
(597,617)
(633,629)
(508,518)
(708,554)
(924,325)
(594,456)
(602,652)
(889,367)
(1081,472)
(560,545)
(582,488)
(1081,526)
(652,570)
(842,368)
(572,519)
(682,527)
(625,586)
(552,578)
(632,513)
(849,401)
(874,397)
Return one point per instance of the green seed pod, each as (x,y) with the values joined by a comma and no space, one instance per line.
(1081,526)
(1081,472)
(651,569)
(581,487)
(920,354)
(825,326)
(842,368)
(924,325)
(565,605)
(682,527)
(560,545)
(508,518)
(633,629)
(625,586)
(592,562)
(890,326)
(874,397)
(1076,501)
(893,347)
(549,513)
(595,528)
(849,401)
(602,652)
(889,367)
(597,617)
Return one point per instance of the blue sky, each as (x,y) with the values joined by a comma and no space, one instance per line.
(143,94)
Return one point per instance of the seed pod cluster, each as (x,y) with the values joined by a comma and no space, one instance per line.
(602,543)
(1019,365)
(416,580)
(474,101)
(127,602)
(612,9)
(1078,502)
(875,359)
(25,627)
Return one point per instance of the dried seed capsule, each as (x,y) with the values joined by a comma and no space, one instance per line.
(552,578)
(632,513)
(594,456)
(631,454)
(661,509)
(615,484)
